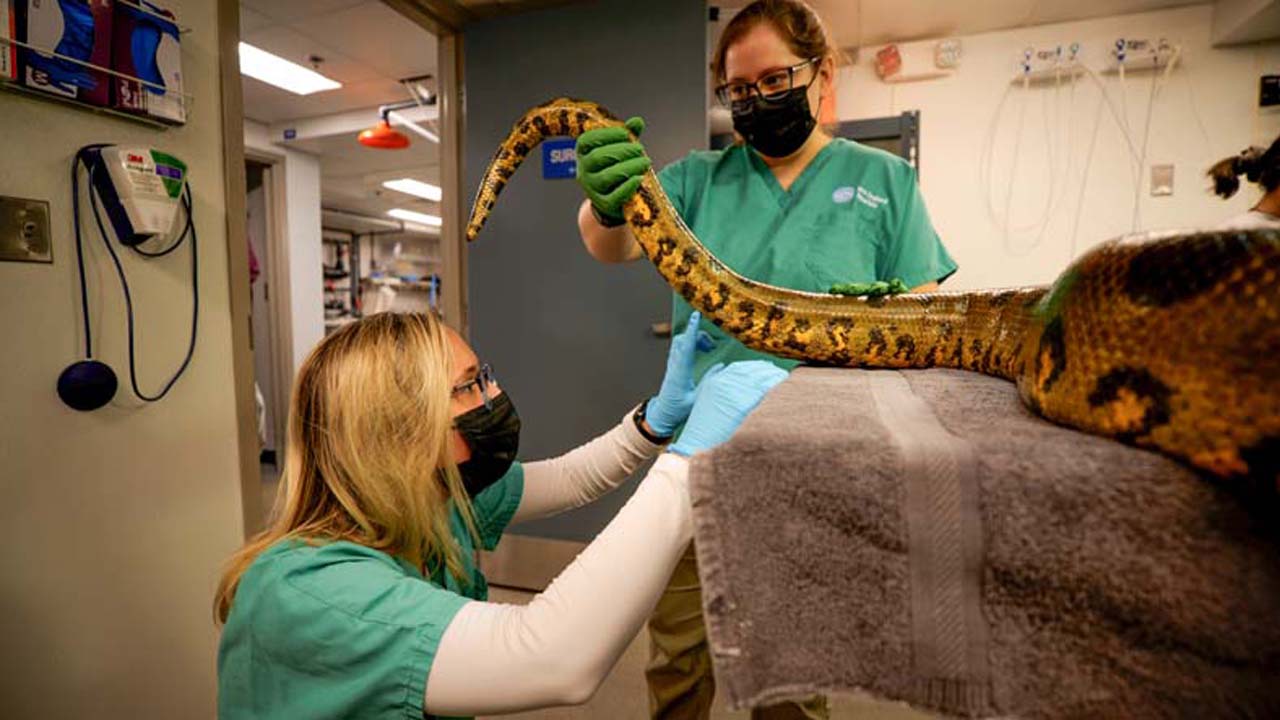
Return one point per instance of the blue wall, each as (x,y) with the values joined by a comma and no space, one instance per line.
(567,336)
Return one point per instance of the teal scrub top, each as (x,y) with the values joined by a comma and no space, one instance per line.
(855,214)
(339,630)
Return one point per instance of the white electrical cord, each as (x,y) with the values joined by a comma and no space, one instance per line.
(1158,80)
(1084,180)
(1058,193)
(1013,168)
(1102,88)
(1057,159)
(1059,164)
(1142,156)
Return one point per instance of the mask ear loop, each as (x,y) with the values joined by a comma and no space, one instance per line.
(483,380)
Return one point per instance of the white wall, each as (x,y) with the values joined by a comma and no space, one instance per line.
(302,239)
(957,112)
(114,523)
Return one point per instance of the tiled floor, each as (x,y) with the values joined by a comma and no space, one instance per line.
(622,696)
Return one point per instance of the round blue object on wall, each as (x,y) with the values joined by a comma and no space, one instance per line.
(87,385)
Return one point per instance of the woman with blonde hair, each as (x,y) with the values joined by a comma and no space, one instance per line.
(362,599)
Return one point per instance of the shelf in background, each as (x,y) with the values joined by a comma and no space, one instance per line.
(16,87)
(398,283)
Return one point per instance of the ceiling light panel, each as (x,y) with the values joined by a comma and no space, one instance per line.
(409,186)
(411,216)
(274,70)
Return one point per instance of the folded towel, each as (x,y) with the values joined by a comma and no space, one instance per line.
(921,536)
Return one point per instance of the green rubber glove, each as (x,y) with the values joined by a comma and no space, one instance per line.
(879,288)
(610,166)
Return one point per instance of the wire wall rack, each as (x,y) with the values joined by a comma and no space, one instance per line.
(16,84)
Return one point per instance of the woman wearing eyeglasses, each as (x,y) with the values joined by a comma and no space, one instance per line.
(788,205)
(363,600)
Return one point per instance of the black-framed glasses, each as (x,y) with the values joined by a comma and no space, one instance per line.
(483,381)
(770,87)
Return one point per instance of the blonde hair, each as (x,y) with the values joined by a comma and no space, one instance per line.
(368,458)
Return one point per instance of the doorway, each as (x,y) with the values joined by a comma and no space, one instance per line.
(263,320)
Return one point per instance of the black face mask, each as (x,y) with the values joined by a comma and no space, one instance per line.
(493,434)
(778,127)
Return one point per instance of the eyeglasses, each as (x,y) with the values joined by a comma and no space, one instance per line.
(770,87)
(483,381)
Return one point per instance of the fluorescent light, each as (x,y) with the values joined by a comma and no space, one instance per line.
(273,70)
(417,217)
(427,191)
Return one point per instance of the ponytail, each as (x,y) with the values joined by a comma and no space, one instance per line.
(1257,166)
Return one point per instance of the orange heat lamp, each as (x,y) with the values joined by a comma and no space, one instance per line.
(383,136)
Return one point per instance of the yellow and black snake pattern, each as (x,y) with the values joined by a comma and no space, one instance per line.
(1164,340)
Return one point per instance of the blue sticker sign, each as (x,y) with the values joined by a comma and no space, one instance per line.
(559,161)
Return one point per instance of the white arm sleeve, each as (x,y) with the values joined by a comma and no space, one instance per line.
(496,658)
(584,473)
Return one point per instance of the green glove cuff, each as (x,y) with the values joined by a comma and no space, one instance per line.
(607,220)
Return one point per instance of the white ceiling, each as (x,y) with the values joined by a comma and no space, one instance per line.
(366,46)
(351,174)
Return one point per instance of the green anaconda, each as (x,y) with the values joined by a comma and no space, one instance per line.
(1168,340)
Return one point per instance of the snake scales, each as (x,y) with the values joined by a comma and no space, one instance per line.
(1164,340)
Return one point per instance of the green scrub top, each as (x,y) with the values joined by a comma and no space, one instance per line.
(339,630)
(855,214)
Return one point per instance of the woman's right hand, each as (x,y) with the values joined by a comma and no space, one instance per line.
(610,167)
(724,398)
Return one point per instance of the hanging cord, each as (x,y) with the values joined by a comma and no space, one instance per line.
(1084,179)
(1058,191)
(1115,114)
(1142,156)
(1158,82)
(189,228)
(75,215)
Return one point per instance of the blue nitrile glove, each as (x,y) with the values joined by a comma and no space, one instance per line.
(610,167)
(723,400)
(669,409)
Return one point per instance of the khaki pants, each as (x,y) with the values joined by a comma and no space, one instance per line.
(681,686)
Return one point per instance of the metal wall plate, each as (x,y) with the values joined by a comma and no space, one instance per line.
(24,230)
(1161,180)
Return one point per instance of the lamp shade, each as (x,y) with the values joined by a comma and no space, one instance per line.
(383,136)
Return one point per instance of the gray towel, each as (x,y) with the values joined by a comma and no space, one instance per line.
(922,537)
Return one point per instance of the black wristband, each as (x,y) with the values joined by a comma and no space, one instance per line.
(638,417)
(605,220)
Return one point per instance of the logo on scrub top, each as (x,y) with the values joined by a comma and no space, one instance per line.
(842,195)
(870,199)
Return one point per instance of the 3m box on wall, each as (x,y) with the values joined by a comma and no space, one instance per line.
(75,33)
(147,46)
(8,30)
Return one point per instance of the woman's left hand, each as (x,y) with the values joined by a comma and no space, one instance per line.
(669,409)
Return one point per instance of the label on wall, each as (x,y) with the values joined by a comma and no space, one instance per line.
(559,161)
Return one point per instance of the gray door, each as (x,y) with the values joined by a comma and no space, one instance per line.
(569,337)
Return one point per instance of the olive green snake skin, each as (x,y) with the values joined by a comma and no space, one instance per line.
(1167,340)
